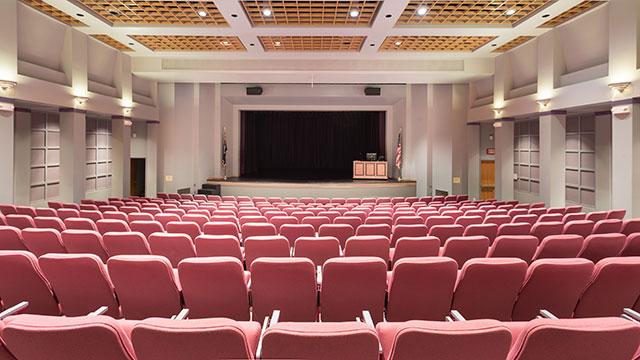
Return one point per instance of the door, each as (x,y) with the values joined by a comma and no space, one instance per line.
(138,177)
(487,179)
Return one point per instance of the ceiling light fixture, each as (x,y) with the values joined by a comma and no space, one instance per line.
(543,102)
(354,13)
(620,87)
(422,10)
(267,12)
(127,109)
(277,43)
(225,43)
(398,43)
(127,122)
(498,110)
(202,13)
(7,85)
(510,12)
(546,16)
(81,100)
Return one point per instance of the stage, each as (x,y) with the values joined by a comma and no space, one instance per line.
(338,188)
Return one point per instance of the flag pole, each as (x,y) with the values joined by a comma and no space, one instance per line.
(399,155)
(224,153)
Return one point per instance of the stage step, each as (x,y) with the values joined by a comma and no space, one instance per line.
(209,189)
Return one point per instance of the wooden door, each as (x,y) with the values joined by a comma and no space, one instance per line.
(487,179)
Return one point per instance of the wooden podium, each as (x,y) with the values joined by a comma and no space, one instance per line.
(370,170)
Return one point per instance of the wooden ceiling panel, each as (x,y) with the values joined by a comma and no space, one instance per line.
(53,12)
(574,12)
(311,13)
(312,43)
(157,12)
(111,42)
(190,43)
(513,44)
(435,43)
(470,12)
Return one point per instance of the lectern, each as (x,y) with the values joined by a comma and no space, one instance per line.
(370,170)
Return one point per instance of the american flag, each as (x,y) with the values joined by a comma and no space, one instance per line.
(224,147)
(399,151)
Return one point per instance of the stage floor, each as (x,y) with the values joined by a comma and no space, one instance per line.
(338,188)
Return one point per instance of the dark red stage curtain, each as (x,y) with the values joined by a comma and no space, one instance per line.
(308,144)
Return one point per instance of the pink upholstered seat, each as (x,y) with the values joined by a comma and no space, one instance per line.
(140,216)
(175,247)
(24,281)
(145,285)
(444,232)
(474,339)
(578,227)
(191,229)
(317,249)
(258,229)
(612,288)
(374,229)
(353,221)
(497,219)
(67,213)
(584,339)
(351,285)
(597,216)
(11,238)
(80,282)
(514,246)
(112,225)
(215,287)
(80,224)
(368,245)
(265,246)
(439,220)
(599,246)
(409,220)
(43,241)
(20,221)
(632,246)
(221,228)
(522,228)
(400,231)
(464,248)
(278,221)
(488,230)
(115,215)
(285,284)
(609,226)
(616,214)
(557,217)
(43,222)
(573,217)
(408,247)
(84,242)
(529,218)
(320,341)
(421,289)
(53,337)
(219,245)
(543,229)
(630,226)
(294,231)
(146,227)
(340,231)
(165,218)
(377,219)
(488,288)
(468,220)
(554,285)
(8,209)
(559,246)
(125,243)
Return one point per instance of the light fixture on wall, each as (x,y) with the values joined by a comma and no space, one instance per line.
(543,102)
(7,85)
(620,87)
(81,100)
(498,110)
(127,109)
(497,124)
(127,122)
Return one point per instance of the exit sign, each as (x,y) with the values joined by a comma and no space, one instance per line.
(491,151)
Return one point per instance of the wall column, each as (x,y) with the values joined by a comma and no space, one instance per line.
(8,71)
(22,157)
(603,160)
(473,160)
(72,154)
(625,158)
(504,160)
(552,158)
(151,170)
(121,155)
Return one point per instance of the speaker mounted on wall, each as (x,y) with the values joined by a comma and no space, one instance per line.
(254,90)
(372,91)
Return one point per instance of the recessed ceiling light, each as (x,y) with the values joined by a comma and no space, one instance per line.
(510,12)
(225,43)
(80,15)
(388,16)
(422,10)
(114,12)
(494,44)
(252,44)
(277,43)
(354,13)
(398,43)
(202,13)
(546,15)
(267,12)
(372,44)
(131,44)
(234,15)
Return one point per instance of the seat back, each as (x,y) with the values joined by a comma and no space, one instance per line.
(265,246)
(125,243)
(351,285)
(52,337)
(616,214)
(529,218)
(84,242)
(294,231)
(630,226)
(354,221)
(374,229)
(205,279)
(80,282)
(400,231)
(11,238)
(559,246)
(368,245)
(25,283)
(431,300)
(464,248)
(317,249)
(165,218)
(316,221)
(597,216)
(257,229)
(490,231)
(408,247)
(43,241)
(20,221)
(112,225)
(280,220)
(543,229)
(488,288)
(45,222)
(632,246)
(218,245)
(497,219)
(145,286)
(78,223)
(175,247)
(340,231)
(522,228)
(221,228)
(146,227)
(554,285)
(608,226)
(599,246)
(191,229)
(578,227)
(515,246)
(64,213)
(474,339)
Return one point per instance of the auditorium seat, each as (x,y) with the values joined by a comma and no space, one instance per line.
(165,218)
(409,247)
(374,229)
(616,214)
(125,243)
(52,337)
(78,223)
(488,288)
(265,246)
(146,227)
(20,221)
(257,229)
(320,341)
(285,284)
(445,232)
(583,228)
(514,246)
(529,218)
(474,339)
(632,245)
(175,247)
(188,228)
(84,242)
(80,282)
(223,228)
(438,220)
(467,220)
(8,209)
(408,220)
(421,288)
(215,287)
(488,230)
(353,221)
(11,238)
(112,225)
(43,241)
(294,231)
(543,229)
(599,246)
(340,231)
(368,245)
(557,217)
(584,339)
(559,246)
(219,245)
(139,216)
(464,248)
(574,217)
(317,249)
(630,226)
(67,213)
(597,216)
(497,219)
(414,230)
(522,228)
(607,226)
(145,285)
(279,221)
(554,285)
(26,283)
(45,222)
(351,285)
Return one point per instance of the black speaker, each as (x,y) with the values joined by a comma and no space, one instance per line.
(254,90)
(372,91)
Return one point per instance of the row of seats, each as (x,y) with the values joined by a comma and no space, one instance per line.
(103,338)
(142,286)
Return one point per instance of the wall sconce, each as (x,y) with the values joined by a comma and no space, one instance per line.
(6,107)
(543,102)
(81,100)
(497,110)
(620,87)
(7,85)
(127,123)
(497,124)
